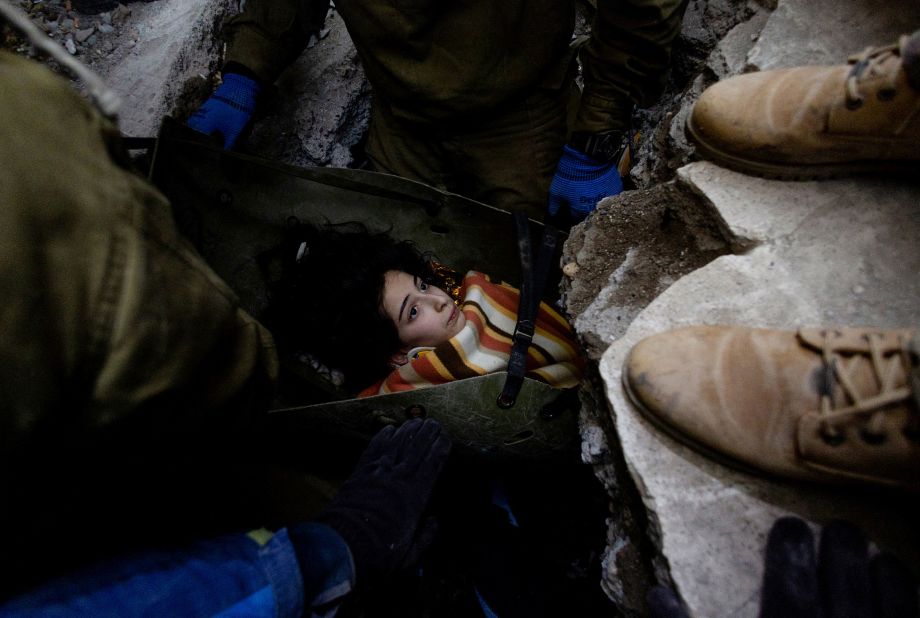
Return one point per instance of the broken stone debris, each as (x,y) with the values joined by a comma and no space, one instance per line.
(77,33)
(816,253)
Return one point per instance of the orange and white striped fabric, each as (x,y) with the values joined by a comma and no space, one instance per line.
(483,346)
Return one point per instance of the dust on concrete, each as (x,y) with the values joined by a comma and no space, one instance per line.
(318,111)
(632,249)
(160,56)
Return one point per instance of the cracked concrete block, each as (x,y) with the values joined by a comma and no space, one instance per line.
(840,252)
(322,106)
(631,249)
(167,50)
(844,261)
(730,56)
(746,223)
(801,32)
(161,48)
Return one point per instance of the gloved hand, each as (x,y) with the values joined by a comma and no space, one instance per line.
(840,581)
(229,109)
(379,507)
(580,183)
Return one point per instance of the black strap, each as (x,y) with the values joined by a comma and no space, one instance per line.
(533,281)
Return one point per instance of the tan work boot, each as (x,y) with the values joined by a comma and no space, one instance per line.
(817,121)
(820,404)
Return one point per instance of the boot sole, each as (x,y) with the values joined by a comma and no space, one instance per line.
(804,171)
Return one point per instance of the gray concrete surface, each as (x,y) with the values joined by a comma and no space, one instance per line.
(826,31)
(322,106)
(160,50)
(164,58)
(795,254)
(826,253)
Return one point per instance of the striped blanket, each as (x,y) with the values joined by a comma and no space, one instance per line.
(483,346)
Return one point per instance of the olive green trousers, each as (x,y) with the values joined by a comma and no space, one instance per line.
(505,158)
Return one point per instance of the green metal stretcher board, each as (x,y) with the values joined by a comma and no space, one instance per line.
(233,207)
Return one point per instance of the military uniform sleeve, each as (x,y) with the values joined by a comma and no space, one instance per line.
(626,60)
(269,34)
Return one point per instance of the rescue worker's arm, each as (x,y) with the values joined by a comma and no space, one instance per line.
(241,575)
(625,63)
(372,528)
(262,41)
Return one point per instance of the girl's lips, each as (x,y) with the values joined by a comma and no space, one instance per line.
(453,316)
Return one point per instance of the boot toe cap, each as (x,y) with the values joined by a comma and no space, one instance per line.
(706,386)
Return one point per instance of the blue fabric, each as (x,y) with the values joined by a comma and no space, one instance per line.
(204,579)
(326,564)
(487,610)
(253,605)
(227,576)
(229,109)
(580,183)
(500,499)
(279,563)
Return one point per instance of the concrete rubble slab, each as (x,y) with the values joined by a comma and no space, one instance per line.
(165,54)
(826,32)
(322,106)
(840,252)
(160,48)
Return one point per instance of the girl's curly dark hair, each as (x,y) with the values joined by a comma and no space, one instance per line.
(327,300)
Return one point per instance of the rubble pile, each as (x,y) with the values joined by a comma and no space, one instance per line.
(85,36)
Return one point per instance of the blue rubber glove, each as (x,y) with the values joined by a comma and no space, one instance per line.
(580,183)
(229,109)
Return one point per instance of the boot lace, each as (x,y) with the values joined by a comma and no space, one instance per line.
(873,62)
(871,406)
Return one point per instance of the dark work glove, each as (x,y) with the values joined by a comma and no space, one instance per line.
(663,603)
(580,183)
(229,109)
(838,581)
(378,509)
(842,581)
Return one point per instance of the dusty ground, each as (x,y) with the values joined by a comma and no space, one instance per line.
(636,246)
(87,37)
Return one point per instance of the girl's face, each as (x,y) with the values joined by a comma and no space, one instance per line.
(423,314)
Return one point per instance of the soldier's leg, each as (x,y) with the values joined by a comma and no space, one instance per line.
(504,158)
(508,159)
(407,149)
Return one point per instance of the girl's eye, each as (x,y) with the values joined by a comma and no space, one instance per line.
(422,286)
(413,313)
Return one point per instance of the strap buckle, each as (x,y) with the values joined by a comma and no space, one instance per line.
(523,332)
